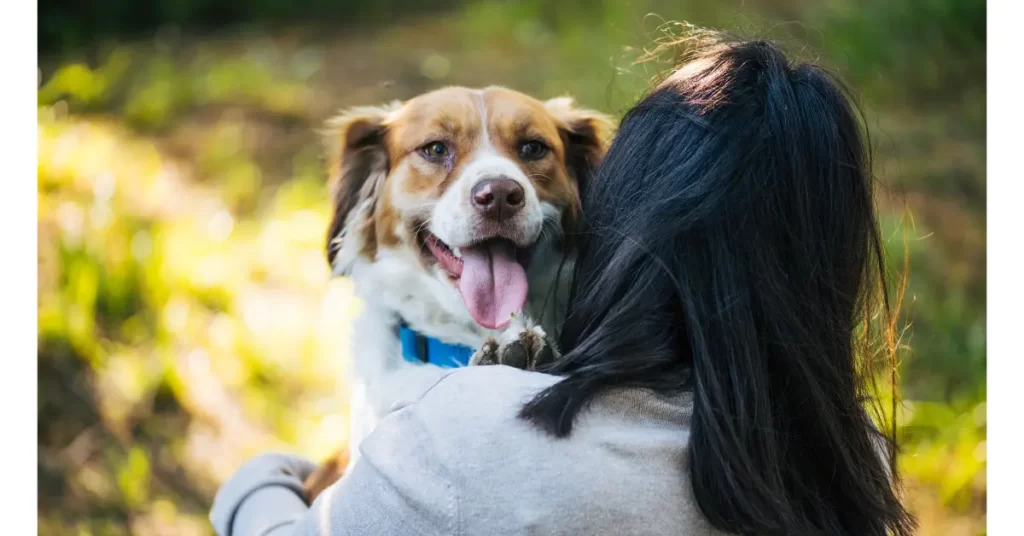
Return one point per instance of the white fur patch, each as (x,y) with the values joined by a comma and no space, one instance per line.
(484,131)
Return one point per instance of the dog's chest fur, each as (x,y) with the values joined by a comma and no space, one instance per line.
(395,290)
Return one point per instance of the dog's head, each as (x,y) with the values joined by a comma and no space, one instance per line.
(462,187)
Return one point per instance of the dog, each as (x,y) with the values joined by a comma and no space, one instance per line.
(450,212)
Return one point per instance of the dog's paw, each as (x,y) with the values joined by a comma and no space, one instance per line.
(486,354)
(522,345)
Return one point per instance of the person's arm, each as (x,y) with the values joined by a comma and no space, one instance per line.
(397,487)
(263,497)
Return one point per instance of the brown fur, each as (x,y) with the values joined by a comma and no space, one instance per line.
(357,166)
(326,474)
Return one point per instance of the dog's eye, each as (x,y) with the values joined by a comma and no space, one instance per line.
(434,150)
(532,150)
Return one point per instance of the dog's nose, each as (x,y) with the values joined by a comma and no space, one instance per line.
(498,199)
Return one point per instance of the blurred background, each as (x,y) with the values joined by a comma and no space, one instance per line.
(187,319)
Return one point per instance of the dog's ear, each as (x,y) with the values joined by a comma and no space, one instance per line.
(357,163)
(586,134)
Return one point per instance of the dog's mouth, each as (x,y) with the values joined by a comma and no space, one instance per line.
(490,275)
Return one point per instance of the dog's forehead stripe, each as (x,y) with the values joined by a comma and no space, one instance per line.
(486,141)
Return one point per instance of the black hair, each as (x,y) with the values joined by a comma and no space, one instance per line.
(730,247)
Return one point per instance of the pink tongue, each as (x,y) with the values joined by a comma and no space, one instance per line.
(493,284)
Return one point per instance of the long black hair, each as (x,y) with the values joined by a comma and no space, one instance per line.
(730,247)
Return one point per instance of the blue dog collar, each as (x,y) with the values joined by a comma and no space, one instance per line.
(418,348)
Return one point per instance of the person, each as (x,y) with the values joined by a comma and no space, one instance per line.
(724,305)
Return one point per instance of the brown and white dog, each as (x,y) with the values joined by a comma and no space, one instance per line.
(449,213)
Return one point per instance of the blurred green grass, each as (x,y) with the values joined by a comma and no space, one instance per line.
(186,315)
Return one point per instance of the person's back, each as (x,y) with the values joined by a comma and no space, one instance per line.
(622,472)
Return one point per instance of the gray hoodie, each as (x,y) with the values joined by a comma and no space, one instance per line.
(457,461)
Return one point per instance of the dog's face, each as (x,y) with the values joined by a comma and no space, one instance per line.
(464,186)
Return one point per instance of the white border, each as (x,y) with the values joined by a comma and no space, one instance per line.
(1005,283)
(18,208)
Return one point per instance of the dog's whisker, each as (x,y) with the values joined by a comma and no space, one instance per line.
(422,226)
(552,225)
